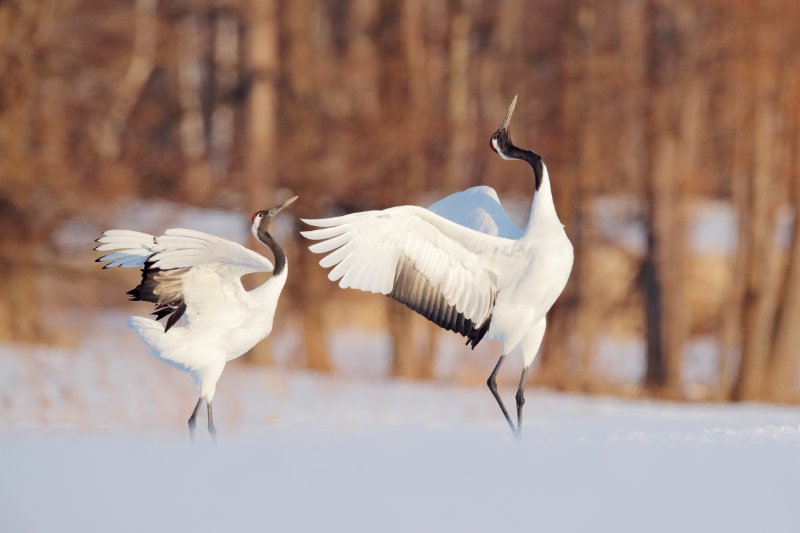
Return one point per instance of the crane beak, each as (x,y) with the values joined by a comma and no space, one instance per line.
(507,119)
(285,204)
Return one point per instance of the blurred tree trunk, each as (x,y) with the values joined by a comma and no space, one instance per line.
(108,132)
(399,85)
(362,59)
(633,146)
(738,75)
(401,326)
(311,302)
(764,198)
(415,183)
(262,57)
(559,340)
(783,364)
(762,266)
(226,84)
(28,203)
(458,108)
(587,314)
(662,282)
(666,195)
(782,371)
(192,78)
(733,303)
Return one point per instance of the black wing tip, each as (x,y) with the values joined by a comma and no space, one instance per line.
(177,313)
(476,335)
(413,289)
(453,321)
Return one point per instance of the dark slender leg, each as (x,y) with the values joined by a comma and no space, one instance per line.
(212,431)
(521,400)
(192,419)
(492,383)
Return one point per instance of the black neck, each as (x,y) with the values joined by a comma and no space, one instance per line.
(534,160)
(277,251)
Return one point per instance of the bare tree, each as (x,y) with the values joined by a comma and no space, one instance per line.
(764,196)
(228,83)
(666,195)
(108,132)
(783,359)
(262,120)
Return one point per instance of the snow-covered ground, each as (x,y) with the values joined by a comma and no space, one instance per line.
(636,475)
(94,439)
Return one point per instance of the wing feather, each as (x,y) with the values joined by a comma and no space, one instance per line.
(326,233)
(336,257)
(478,208)
(128,248)
(446,272)
(330,244)
(183,271)
(183,248)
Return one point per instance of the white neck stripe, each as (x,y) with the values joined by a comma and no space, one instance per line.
(500,153)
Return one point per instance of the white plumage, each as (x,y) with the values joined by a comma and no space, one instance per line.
(478,208)
(194,279)
(461,263)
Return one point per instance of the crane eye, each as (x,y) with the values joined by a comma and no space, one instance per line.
(256,215)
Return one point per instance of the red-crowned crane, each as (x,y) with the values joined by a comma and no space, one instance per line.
(461,263)
(197,276)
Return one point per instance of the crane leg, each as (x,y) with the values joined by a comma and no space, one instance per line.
(193,418)
(212,431)
(492,383)
(521,401)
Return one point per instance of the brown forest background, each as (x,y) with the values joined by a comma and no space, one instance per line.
(361,104)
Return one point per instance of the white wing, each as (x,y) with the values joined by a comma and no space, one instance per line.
(129,248)
(178,248)
(214,298)
(478,208)
(186,248)
(446,272)
(184,271)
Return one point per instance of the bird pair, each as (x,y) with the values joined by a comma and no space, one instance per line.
(461,263)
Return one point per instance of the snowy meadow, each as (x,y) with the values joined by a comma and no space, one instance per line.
(94,439)
(670,135)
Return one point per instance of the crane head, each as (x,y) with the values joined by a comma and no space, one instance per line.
(500,141)
(264,217)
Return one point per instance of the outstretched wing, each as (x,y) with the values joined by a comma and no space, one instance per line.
(128,248)
(186,248)
(478,208)
(172,262)
(446,272)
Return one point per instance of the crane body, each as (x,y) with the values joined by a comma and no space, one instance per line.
(194,280)
(461,263)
